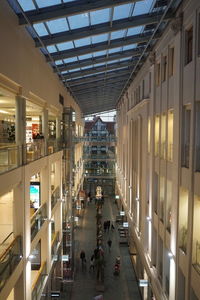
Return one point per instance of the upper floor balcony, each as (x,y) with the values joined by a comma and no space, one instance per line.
(13,156)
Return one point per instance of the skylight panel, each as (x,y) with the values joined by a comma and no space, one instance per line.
(27,4)
(99,65)
(40,29)
(65,46)
(51,49)
(44,3)
(114,50)
(125,58)
(128,47)
(117,34)
(121,11)
(70,59)
(99,38)
(74,70)
(57,25)
(99,53)
(134,30)
(58,62)
(86,67)
(82,42)
(85,56)
(79,21)
(142,7)
(68,1)
(100,16)
(113,61)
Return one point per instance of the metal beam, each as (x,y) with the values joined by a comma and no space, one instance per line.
(133,39)
(101,83)
(68,9)
(99,59)
(98,77)
(75,34)
(100,69)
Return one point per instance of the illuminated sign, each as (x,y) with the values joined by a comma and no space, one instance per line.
(35,194)
(143,282)
(125,224)
(122,213)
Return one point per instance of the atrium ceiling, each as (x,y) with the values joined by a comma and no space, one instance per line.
(96,47)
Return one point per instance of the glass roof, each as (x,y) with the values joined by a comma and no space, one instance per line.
(83,42)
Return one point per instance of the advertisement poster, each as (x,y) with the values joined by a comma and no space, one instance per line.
(35,194)
(35,130)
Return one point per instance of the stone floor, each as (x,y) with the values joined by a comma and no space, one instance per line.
(85,286)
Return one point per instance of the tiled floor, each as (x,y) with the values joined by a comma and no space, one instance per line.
(85,287)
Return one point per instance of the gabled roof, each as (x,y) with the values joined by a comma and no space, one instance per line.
(110,126)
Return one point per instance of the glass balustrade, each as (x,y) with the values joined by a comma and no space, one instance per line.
(54,245)
(9,260)
(55,196)
(34,151)
(37,220)
(39,282)
(10,158)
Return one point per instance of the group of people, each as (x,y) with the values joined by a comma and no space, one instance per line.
(106,226)
(96,260)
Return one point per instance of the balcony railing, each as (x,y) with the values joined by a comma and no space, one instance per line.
(10,158)
(9,260)
(37,220)
(99,156)
(54,244)
(54,145)
(38,285)
(13,156)
(35,150)
(55,196)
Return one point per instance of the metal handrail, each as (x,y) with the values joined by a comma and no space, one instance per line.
(6,238)
(2,256)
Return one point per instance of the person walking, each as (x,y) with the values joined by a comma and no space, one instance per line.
(92,263)
(108,225)
(83,258)
(112,227)
(109,242)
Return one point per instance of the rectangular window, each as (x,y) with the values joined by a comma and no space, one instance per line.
(197,159)
(158,74)
(186,136)
(170,135)
(164,68)
(157,133)
(149,82)
(198,34)
(142,89)
(188,45)
(171,62)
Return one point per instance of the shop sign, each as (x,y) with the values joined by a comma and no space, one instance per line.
(122,213)
(117,197)
(65,258)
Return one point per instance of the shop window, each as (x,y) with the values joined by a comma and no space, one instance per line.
(164,68)
(162,198)
(169,205)
(188,45)
(171,61)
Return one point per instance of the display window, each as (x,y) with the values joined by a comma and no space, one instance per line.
(33,122)
(7,117)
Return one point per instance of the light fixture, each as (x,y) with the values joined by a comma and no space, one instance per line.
(137,199)
(130,187)
(170,255)
(149,219)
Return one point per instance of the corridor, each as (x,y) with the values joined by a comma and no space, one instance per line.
(122,287)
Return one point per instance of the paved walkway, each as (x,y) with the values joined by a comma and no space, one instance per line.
(122,287)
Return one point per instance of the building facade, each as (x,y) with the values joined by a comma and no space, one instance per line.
(158,161)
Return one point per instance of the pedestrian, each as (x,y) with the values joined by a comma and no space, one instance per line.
(105,225)
(83,258)
(108,225)
(112,227)
(91,263)
(109,242)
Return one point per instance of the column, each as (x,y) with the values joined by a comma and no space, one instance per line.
(45,128)
(20,125)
